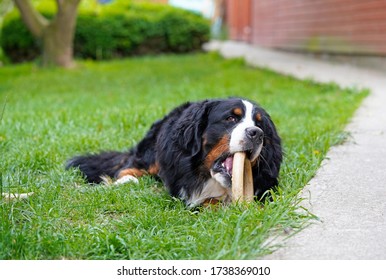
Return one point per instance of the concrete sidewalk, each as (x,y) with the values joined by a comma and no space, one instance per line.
(348,192)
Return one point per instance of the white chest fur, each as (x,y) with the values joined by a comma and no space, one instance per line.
(211,189)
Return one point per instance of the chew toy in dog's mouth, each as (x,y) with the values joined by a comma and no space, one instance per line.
(224,164)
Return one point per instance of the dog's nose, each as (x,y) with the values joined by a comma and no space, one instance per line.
(254,133)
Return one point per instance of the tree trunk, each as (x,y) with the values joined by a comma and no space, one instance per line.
(57,35)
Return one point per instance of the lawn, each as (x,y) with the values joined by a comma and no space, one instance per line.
(53,114)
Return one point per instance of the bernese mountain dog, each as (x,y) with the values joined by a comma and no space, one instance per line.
(191,150)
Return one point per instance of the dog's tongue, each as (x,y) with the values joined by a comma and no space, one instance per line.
(228,163)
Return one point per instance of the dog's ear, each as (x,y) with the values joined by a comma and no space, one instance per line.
(191,126)
(272,151)
(266,171)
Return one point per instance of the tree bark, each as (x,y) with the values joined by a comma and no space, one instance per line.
(34,21)
(57,35)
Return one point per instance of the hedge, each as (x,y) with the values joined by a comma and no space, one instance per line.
(116,31)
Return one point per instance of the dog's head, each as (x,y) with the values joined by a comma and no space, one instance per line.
(234,125)
(207,136)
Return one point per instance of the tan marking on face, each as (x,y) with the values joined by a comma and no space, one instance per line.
(238,112)
(220,148)
(258,117)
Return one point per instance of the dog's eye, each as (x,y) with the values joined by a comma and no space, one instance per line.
(231,119)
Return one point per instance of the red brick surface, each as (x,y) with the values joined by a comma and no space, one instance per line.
(239,14)
(341,26)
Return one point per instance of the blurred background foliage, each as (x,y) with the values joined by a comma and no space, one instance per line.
(113,30)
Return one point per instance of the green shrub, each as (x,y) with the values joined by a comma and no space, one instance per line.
(117,30)
(17,42)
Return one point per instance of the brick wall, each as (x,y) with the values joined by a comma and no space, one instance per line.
(238,18)
(338,26)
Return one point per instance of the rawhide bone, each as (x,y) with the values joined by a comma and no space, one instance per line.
(242,182)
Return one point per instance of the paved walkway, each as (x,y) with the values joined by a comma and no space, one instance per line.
(348,192)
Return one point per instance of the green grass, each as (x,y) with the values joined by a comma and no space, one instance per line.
(52,114)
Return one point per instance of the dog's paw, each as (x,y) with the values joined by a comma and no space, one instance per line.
(126,179)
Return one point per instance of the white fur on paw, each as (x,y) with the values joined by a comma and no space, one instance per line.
(126,179)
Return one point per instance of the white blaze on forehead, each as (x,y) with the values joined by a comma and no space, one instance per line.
(238,133)
(248,119)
